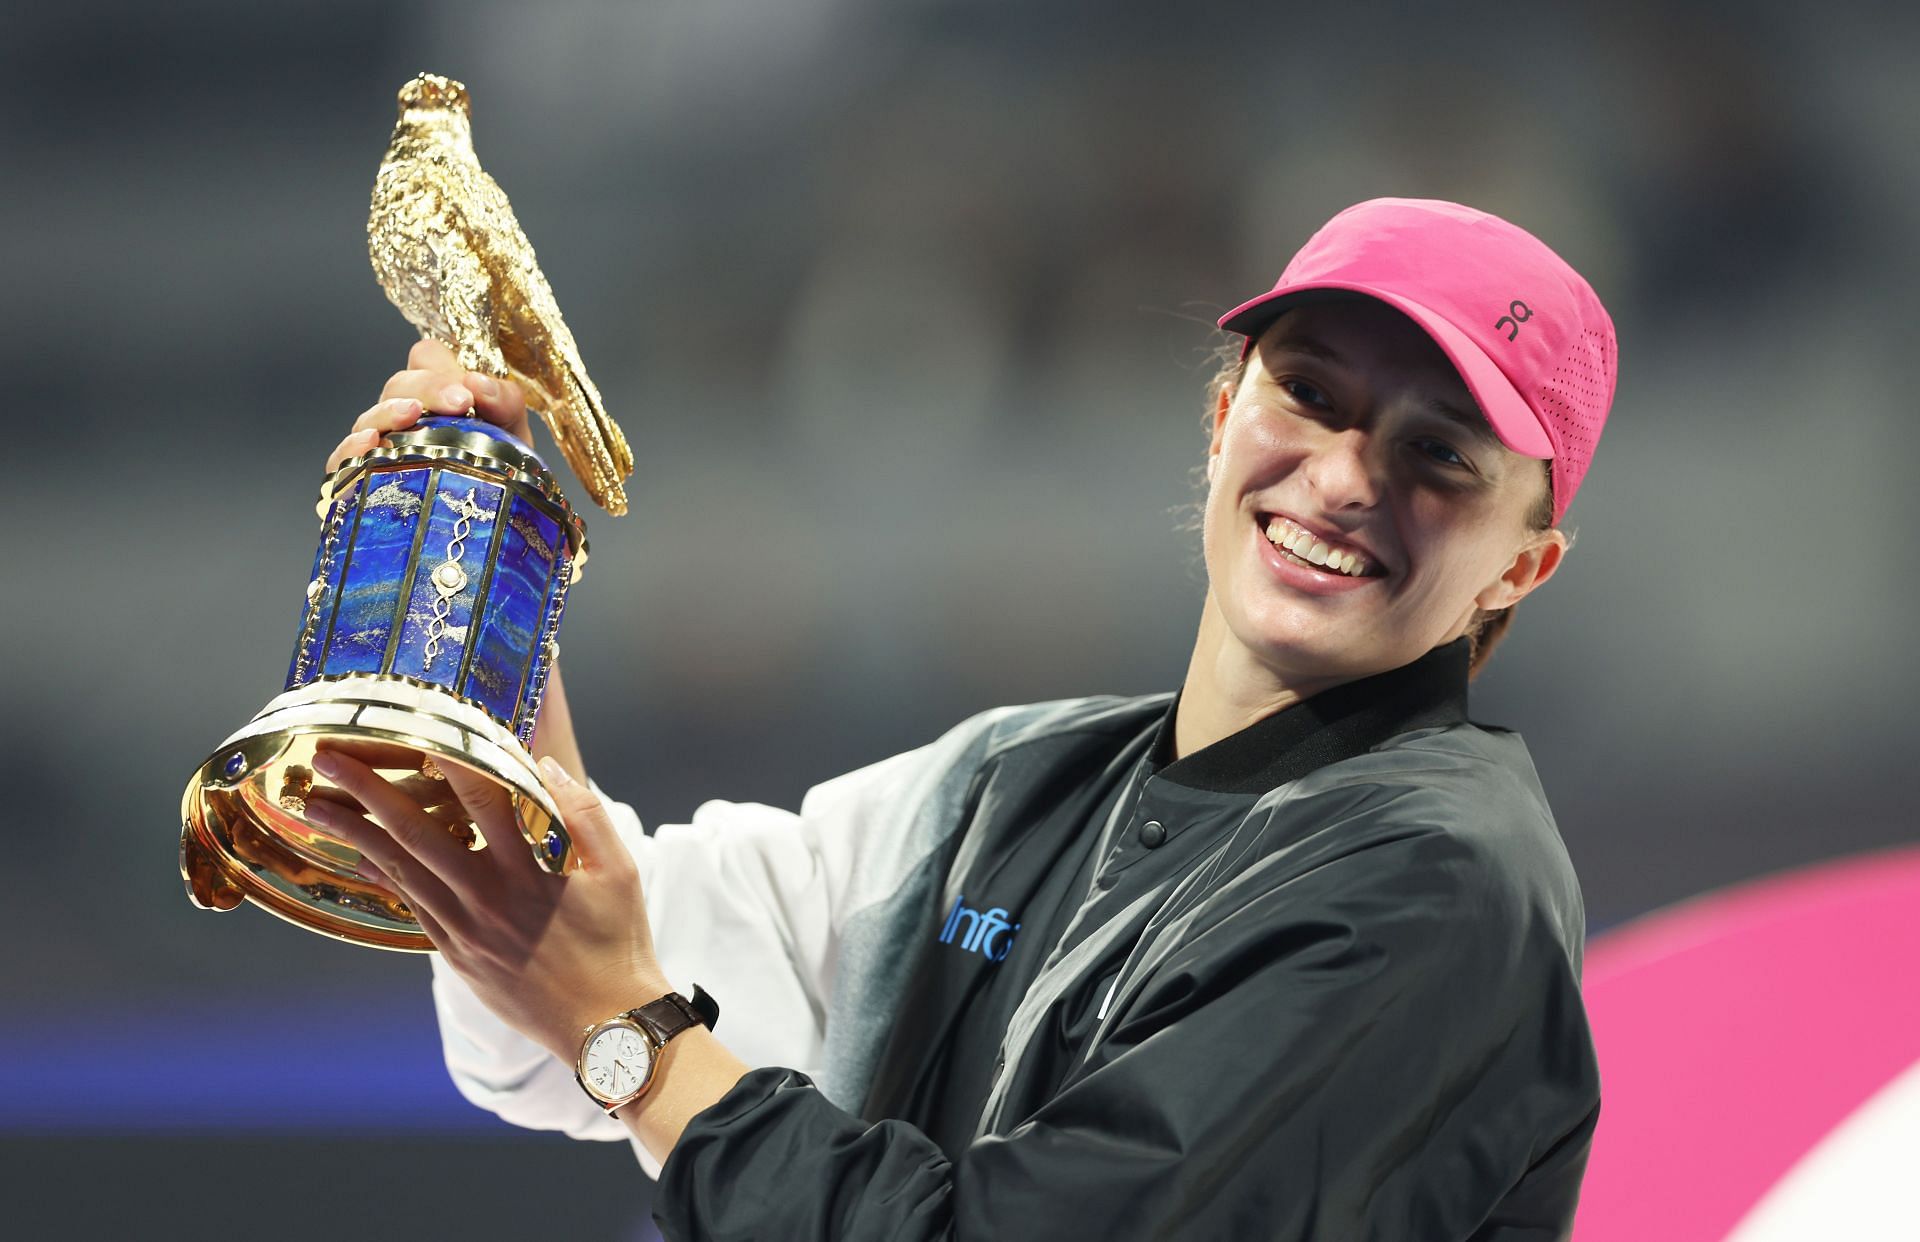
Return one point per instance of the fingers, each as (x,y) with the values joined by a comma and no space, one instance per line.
(390,755)
(491,809)
(390,415)
(499,401)
(401,838)
(594,838)
(452,390)
(435,932)
(441,392)
(429,354)
(436,378)
(354,445)
(465,796)
(430,925)
(383,861)
(458,798)
(429,790)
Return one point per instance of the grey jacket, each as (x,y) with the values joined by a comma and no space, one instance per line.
(1039,979)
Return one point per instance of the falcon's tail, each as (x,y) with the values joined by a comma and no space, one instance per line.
(606,448)
(575,419)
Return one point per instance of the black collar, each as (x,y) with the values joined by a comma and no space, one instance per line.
(1350,719)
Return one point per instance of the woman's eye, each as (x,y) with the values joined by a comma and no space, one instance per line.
(1443,453)
(1313,395)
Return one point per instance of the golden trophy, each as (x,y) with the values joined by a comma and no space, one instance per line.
(445,555)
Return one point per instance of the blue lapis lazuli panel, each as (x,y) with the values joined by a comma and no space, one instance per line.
(376,571)
(344,509)
(524,716)
(515,606)
(456,496)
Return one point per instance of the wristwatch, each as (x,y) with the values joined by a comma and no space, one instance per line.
(617,1056)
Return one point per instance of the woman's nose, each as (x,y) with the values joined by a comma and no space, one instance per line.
(1344,472)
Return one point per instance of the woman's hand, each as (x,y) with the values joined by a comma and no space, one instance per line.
(551,955)
(435,383)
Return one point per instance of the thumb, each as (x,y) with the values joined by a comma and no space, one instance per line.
(594,838)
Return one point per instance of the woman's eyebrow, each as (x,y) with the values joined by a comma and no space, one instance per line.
(1312,348)
(1472,424)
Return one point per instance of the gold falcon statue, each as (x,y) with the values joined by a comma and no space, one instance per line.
(450,255)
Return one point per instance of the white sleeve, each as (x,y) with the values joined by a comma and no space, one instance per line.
(747,900)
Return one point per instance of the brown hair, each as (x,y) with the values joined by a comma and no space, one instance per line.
(1488,627)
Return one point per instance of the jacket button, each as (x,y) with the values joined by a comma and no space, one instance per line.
(1153,834)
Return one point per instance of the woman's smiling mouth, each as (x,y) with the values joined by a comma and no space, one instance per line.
(1302,547)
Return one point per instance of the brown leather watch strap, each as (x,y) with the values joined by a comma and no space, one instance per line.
(674,1013)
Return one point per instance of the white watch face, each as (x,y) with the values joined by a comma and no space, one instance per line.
(616,1061)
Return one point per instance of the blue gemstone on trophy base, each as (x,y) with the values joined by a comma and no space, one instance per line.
(235,765)
(555,847)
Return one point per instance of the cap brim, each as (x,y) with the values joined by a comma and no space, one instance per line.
(1505,410)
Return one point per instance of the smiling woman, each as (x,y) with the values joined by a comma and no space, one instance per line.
(1457,440)
(1350,451)
(1291,952)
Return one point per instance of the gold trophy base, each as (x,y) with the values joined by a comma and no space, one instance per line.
(244,832)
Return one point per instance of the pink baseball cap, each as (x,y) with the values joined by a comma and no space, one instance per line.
(1525,331)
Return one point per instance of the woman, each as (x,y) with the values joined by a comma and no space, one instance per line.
(1292,953)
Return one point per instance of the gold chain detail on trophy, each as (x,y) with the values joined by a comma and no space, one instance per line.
(448,578)
(317,590)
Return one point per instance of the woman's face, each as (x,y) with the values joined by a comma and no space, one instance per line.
(1340,433)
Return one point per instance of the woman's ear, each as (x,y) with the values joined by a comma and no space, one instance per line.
(1530,569)
(1220,408)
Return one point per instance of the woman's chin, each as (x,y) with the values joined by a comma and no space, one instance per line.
(1299,642)
(1301,647)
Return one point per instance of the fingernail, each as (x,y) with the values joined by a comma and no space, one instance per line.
(407,406)
(456,396)
(367,438)
(327,765)
(483,385)
(555,774)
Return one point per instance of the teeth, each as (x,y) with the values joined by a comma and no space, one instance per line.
(1285,534)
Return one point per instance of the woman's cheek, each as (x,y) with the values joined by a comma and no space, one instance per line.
(1270,444)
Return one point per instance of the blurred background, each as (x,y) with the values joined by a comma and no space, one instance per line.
(906,308)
